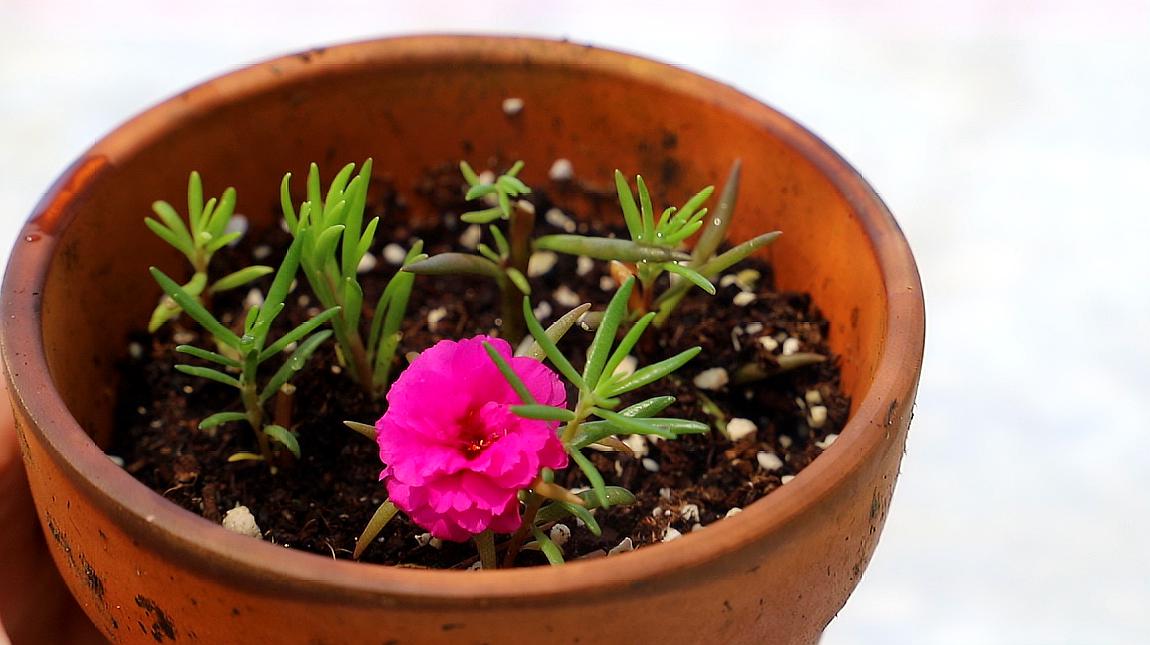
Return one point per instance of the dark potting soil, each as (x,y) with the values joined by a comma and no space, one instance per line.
(321,502)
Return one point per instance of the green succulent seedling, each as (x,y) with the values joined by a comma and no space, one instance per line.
(334,240)
(204,233)
(705,261)
(507,262)
(252,349)
(595,417)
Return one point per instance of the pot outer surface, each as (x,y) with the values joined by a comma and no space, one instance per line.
(146,571)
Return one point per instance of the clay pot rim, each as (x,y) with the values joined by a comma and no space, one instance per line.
(169,529)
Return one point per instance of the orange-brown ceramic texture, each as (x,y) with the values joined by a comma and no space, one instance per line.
(147,571)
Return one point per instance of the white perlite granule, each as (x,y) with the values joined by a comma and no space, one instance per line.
(237,224)
(559,219)
(740,428)
(394,254)
(584,265)
(826,443)
(623,547)
(743,298)
(561,170)
(711,379)
(560,533)
(671,534)
(471,236)
(512,105)
(626,366)
(790,346)
(366,263)
(689,512)
(637,443)
(240,520)
(768,460)
(540,263)
(817,417)
(565,297)
(650,464)
(255,298)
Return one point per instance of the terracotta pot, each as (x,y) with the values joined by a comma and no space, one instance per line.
(145,570)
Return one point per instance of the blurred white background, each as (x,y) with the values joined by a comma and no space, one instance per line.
(1012,142)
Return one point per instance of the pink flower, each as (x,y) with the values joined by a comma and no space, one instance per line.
(455,455)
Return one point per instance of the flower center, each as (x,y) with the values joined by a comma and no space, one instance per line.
(478,435)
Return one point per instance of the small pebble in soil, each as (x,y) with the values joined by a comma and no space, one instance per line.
(366,263)
(733,512)
(542,310)
(785,441)
(525,206)
(813,397)
(183,337)
(240,520)
(743,298)
(728,280)
(584,265)
(650,465)
(561,170)
(255,298)
(786,479)
(394,254)
(607,284)
(790,346)
(141,410)
(753,328)
(540,263)
(768,460)
(671,534)
(237,224)
(623,547)
(559,534)
(826,442)
(689,512)
(565,297)
(768,343)
(559,219)
(435,316)
(471,237)
(637,443)
(626,366)
(261,252)
(712,379)
(512,105)
(135,350)
(304,300)
(817,417)
(422,539)
(739,428)
(696,527)
(116,459)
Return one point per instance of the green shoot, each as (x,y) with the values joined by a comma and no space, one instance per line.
(706,262)
(251,350)
(204,233)
(594,418)
(507,262)
(334,240)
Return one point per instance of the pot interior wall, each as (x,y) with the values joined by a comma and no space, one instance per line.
(681,134)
